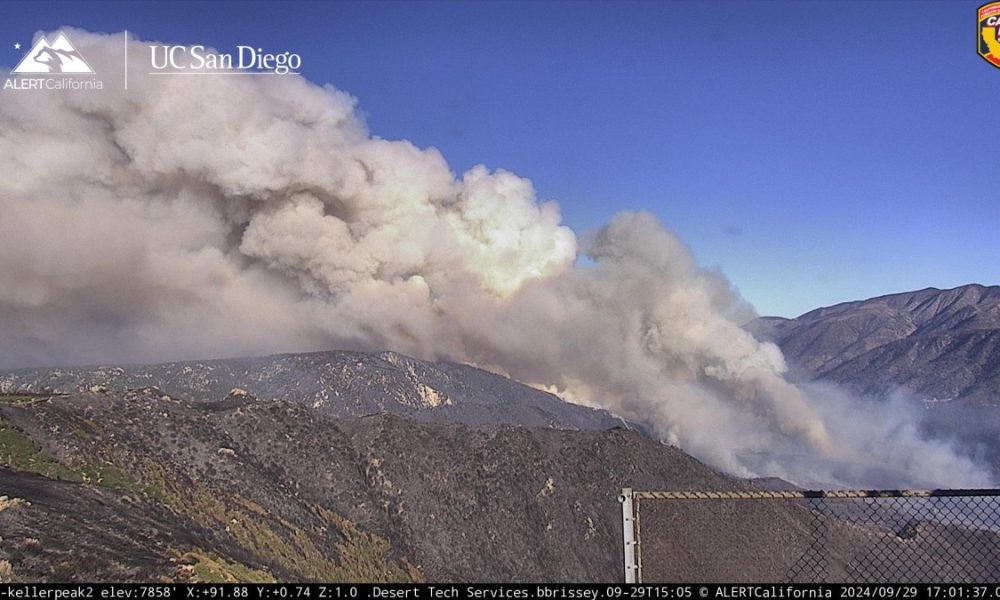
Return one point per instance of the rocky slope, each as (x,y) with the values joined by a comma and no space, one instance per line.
(143,486)
(939,345)
(339,383)
(140,485)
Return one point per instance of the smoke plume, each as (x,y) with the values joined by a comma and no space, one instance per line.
(219,216)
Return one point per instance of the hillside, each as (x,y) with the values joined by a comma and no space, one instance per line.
(939,345)
(144,486)
(338,466)
(339,383)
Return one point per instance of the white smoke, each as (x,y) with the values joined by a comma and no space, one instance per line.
(221,216)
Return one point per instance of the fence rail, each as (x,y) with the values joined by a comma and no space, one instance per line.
(812,536)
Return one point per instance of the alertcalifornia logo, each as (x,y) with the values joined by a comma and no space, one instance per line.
(60,60)
(988,33)
(58,57)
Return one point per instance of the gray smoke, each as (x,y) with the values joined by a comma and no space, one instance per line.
(222,216)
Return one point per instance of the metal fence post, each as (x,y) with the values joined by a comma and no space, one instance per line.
(628,534)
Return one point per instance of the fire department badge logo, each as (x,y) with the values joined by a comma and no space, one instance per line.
(989,33)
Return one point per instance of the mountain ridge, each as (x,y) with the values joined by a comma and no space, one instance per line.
(338,382)
(269,489)
(935,344)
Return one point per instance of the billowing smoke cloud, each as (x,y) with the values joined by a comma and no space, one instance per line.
(220,216)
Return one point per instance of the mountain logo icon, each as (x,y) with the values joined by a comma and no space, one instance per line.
(58,57)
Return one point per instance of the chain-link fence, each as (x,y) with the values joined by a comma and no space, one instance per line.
(948,536)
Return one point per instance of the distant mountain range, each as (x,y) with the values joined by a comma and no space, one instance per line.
(938,345)
(338,383)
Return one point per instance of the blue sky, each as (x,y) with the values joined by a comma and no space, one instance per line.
(816,152)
